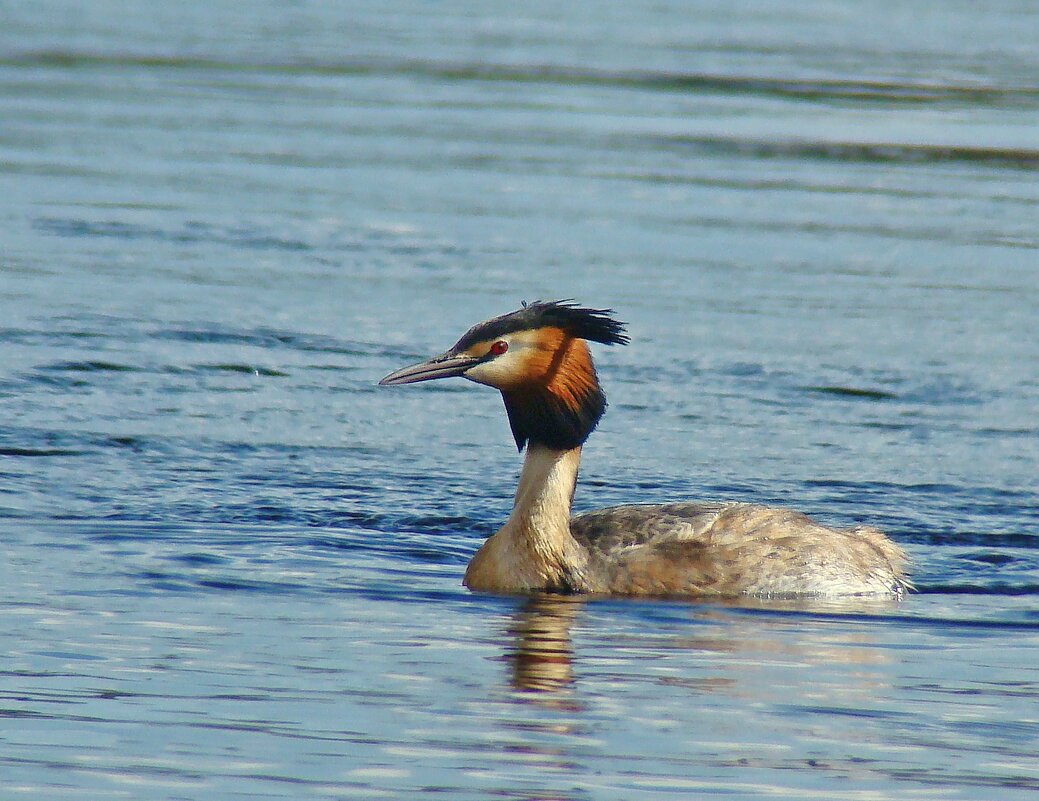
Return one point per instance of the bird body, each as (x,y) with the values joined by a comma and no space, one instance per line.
(538,357)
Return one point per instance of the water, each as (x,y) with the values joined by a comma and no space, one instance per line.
(231,564)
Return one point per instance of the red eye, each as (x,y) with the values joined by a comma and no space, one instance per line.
(499,347)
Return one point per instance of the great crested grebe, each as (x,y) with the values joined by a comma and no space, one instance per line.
(538,358)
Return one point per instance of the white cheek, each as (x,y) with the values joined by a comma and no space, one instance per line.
(493,373)
(501,372)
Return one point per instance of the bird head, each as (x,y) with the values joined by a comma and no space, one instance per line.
(538,357)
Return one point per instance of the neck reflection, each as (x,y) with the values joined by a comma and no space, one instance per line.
(542,655)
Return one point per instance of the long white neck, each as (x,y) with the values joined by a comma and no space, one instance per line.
(534,549)
(545,492)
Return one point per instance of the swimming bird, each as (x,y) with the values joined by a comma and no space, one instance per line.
(538,358)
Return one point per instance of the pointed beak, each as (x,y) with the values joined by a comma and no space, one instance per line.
(444,366)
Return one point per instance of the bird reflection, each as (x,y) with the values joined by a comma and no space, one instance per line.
(542,656)
(542,652)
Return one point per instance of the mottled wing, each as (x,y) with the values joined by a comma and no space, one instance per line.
(734,549)
(610,530)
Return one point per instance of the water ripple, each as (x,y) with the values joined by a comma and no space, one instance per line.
(908,92)
(192,232)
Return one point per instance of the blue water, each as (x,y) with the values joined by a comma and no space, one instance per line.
(231,563)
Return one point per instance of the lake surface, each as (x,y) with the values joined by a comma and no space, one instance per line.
(231,563)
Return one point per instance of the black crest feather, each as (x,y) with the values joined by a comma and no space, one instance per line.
(595,325)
